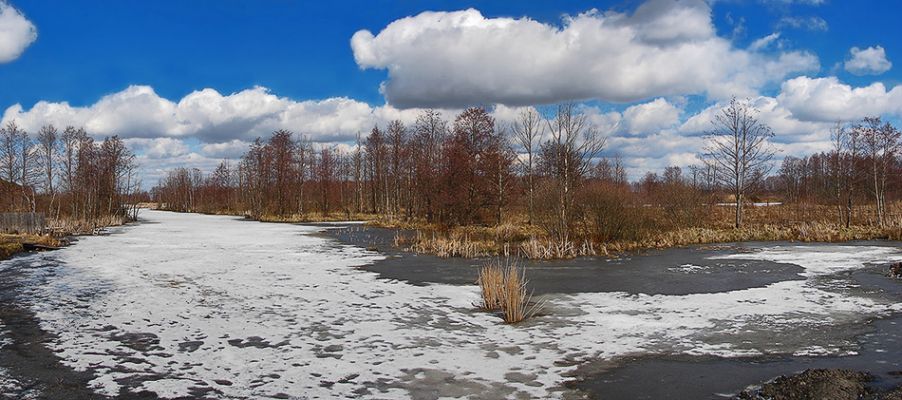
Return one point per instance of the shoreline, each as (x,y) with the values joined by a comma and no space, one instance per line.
(441,246)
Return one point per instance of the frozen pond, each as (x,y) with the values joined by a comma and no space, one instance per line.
(219,307)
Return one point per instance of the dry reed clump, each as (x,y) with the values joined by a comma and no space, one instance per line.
(503,287)
(491,281)
(456,244)
(316,217)
(66,226)
(537,249)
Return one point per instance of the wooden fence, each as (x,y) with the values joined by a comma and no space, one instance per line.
(23,222)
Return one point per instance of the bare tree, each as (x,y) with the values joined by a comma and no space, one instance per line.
(528,131)
(846,151)
(358,175)
(27,170)
(881,145)
(568,155)
(430,132)
(48,152)
(739,148)
(397,138)
(10,139)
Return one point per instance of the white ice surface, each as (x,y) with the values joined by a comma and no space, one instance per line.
(319,328)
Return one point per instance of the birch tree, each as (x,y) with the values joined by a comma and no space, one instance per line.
(739,149)
(568,154)
(528,131)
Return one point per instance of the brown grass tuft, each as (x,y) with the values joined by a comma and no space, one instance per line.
(491,281)
(504,288)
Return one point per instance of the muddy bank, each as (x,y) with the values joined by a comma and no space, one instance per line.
(822,384)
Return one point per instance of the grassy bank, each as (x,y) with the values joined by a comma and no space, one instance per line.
(648,230)
(473,242)
(12,244)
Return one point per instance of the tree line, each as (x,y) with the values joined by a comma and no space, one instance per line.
(65,174)
(543,170)
(862,169)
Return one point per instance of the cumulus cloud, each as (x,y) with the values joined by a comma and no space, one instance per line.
(16,33)
(139,112)
(650,117)
(869,61)
(153,169)
(232,149)
(769,110)
(828,99)
(664,48)
(159,147)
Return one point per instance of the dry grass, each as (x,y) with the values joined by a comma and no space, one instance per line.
(67,226)
(491,281)
(13,244)
(503,287)
(455,244)
(317,217)
(801,223)
(543,249)
(807,232)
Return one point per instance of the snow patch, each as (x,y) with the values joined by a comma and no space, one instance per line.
(689,269)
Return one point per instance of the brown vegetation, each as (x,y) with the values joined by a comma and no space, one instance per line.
(464,189)
(76,182)
(503,288)
(13,244)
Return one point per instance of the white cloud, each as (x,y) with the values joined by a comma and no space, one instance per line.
(665,48)
(809,23)
(205,126)
(828,99)
(792,136)
(16,33)
(232,149)
(764,42)
(650,117)
(153,169)
(158,148)
(139,112)
(786,126)
(869,61)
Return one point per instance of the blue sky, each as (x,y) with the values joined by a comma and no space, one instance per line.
(301,51)
(90,48)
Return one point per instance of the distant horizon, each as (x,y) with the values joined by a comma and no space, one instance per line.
(190,85)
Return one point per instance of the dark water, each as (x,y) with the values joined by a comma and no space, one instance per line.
(651,272)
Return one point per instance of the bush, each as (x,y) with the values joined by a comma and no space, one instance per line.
(613,213)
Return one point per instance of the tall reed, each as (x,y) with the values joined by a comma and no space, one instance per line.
(504,288)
